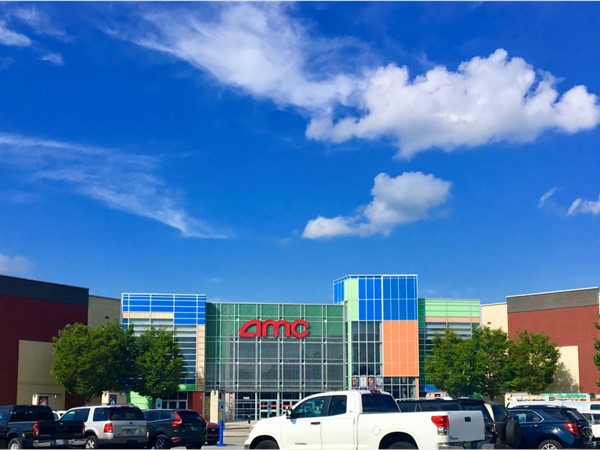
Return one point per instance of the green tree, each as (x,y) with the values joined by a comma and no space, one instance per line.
(158,364)
(597,348)
(87,362)
(491,373)
(450,367)
(533,362)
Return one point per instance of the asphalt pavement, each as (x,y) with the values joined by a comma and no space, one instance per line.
(234,436)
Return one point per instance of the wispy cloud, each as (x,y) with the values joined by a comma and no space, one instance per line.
(12,38)
(404,199)
(545,199)
(14,265)
(582,206)
(54,58)
(262,50)
(122,181)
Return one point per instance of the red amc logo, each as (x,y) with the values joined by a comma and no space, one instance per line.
(298,328)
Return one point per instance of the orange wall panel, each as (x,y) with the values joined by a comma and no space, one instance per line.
(401,348)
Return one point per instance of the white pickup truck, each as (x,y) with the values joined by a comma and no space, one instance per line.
(355,420)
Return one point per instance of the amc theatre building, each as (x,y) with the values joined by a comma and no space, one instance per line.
(265,357)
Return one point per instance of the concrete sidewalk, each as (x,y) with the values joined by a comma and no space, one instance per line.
(234,435)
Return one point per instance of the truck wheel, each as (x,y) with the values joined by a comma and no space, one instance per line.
(15,443)
(91,441)
(550,444)
(161,441)
(402,444)
(268,444)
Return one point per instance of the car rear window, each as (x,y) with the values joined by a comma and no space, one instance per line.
(190,416)
(378,403)
(557,414)
(126,413)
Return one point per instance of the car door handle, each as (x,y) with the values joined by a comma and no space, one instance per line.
(315,423)
(467,419)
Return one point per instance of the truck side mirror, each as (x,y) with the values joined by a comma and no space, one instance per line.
(288,413)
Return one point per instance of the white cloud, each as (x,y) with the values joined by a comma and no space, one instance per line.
(12,38)
(54,58)
(545,199)
(407,198)
(122,181)
(581,206)
(487,100)
(262,50)
(14,265)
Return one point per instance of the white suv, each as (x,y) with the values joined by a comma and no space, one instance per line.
(116,425)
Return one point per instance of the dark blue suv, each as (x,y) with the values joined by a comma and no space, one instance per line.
(551,427)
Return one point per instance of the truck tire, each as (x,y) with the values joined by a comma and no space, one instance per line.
(161,441)
(550,444)
(15,443)
(268,444)
(91,441)
(402,444)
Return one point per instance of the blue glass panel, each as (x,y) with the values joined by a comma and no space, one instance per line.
(412,287)
(412,310)
(370,288)
(402,287)
(371,310)
(362,310)
(140,309)
(387,288)
(377,294)
(387,310)
(179,321)
(395,312)
(394,283)
(362,289)
(378,309)
(162,309)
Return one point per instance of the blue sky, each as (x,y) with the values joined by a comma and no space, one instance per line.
(258,151)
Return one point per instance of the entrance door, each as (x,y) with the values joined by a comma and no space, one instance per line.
(268,408)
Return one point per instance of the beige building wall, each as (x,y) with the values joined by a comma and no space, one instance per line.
(494,316)
(102,310)
(567,374)
(35,361)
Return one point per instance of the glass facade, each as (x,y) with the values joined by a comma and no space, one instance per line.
(438,314)
(263,358)
(184,314)
(381,321)
(271,355)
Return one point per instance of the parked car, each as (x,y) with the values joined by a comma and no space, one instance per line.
(28,426)
(593,418)
(175,427)
(551,427)
(212,433)
(499,430)
(117,425)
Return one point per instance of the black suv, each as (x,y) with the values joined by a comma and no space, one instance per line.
(499,429)
(551,427)
(175,427)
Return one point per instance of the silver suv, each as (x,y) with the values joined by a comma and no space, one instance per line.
(116,425)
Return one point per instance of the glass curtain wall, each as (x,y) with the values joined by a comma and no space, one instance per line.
(267,374)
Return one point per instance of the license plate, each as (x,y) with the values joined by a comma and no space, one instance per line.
(129,431)
(59,442)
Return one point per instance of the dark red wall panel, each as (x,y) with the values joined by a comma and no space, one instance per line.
(566,327)
(31,320)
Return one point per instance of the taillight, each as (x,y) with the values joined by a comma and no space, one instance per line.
(108,428)
(177,422)
(36,430)
(572,428)
(442,423)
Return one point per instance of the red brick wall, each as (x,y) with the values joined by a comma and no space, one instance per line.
(566,327)
(31,320)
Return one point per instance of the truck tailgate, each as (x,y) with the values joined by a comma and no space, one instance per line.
(465,426)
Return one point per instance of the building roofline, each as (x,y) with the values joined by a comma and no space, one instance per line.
(553,292)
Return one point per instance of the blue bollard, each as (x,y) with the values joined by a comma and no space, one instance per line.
(221,428)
